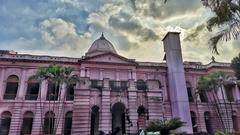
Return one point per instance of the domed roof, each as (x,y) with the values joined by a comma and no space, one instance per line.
(101,45)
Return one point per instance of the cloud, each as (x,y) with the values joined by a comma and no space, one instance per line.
(135,27)
(157,8)
(126,22)
(194,34)
(57,33)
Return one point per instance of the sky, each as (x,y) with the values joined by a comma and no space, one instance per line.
(134,27)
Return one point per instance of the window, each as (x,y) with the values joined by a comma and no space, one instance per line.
(98,84)
(70,92)
(203,96)
(118,85)
(235,121)
(229,94)
(141,117)
(208,123)
(189,92)
(11,88)
(27,123)
(141,85)
(5,123)
(53,91)
(49,121)
(68,123)
(94,120)
(32,89)
(194,122)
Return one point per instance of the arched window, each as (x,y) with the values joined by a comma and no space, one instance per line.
(27,123)
(229,93)
(32,89)
(141,85)
(141,117)
(68,123)
(12,87)
(194,122)
(203,96)
(49,122)
(208,122)
(53,91)
(189,91)
(94,120)
(235,121)
(5,123)
(70,92)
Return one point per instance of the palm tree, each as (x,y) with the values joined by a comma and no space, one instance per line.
(212,85)
(226,20)
(235,64)
(59,76)
(165,126)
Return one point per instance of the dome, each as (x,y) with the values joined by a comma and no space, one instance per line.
(99,46)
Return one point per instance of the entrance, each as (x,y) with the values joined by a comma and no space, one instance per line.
(118,119)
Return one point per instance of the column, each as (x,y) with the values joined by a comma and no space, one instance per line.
(134,75)
(132,95)
(130,74)
(105,114)
(81,111)
(101,74)
(117,75)
(38,120)
(88,72)
(2,88)
(23,86)
(176,80)
(236,93)
(60,110)
(82,72)
(16,119)
(43,90)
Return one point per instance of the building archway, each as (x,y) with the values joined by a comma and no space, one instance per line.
(95,120)
(141,117)
(118,119)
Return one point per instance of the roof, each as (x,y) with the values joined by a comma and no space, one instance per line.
(101,45)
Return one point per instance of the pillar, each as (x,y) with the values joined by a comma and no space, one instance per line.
(43,90)
(132,103)
(105,113)
(60,111)
(2,88)
(176,80)
(81,110)
(23,86)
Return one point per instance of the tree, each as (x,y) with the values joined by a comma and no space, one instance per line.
(59,76)
(212,85)
(235,64)
(226,20)
(165,126)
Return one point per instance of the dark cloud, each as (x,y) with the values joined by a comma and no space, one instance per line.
(157,8)
(125,22)
(194,34)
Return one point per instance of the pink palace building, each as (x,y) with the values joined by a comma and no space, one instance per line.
(116,93)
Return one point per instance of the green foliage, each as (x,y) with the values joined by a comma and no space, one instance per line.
(57,74)
(165,125)
(225,22)
(219,133)
(235,64)
(210,82)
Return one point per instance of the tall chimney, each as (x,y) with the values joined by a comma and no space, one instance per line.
(176,79)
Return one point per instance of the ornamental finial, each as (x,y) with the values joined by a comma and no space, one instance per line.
(102,36)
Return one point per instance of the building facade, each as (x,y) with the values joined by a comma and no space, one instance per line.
(115,94)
